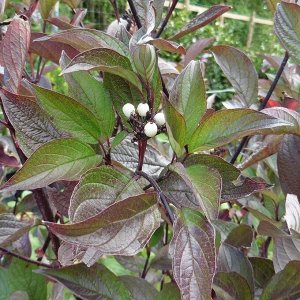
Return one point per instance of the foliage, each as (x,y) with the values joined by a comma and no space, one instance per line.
(119,186)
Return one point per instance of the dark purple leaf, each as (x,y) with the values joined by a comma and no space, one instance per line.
(247,187)
(13,52)
(286,27)
(193,252)
(231,259)
(60,196)
(33,126)
(12,229)
(201,20)
(196,49)
(97,282)
(288,162)
(48,49)
(240,71)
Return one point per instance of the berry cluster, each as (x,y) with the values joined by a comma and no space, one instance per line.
(145,124)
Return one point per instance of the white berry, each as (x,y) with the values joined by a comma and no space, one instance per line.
(142,109)
(150,129)
(159,119)
(128,109)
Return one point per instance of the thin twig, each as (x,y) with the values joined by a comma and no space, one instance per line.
(42,201)
(166,19)
(160,194)
(19,256)
(145,270)
(135,15)
(115,7)
(245,140)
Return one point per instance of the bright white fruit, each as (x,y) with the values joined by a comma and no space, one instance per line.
(150,129)
(128,109)
(159,119)
(142,109)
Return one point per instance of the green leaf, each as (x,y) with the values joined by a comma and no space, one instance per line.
(11,229)
(284,285)
(227,171)
(69,115)
(176,127)
(105,60)
(138,288)
(121,92)
(19,276)
(57,160)
(86,39)
(241,236)
(97,283)
(118,138)
(201,20)
(188,97)
(169,292)
(263,270)
(109,186)
(107,232)
(224,126)
(286,25)
(72,3)
(205,183)
(231,286)
(32,125)
(193,250)
(92,94)
(240,71)
(46,7)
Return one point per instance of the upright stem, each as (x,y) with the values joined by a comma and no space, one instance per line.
(245,140)
(42,201)
(160,194)
(135,15)
(142,144)
(166,19)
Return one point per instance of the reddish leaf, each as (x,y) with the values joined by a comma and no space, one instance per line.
(13,52)
(288,162)
(249,186)
(239,70)
(50,50)
(231,259)
(86,39)
(61,22)
(196,49)
(203,19)
(169,46)
(193,251)
(8,160)
(60,197)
